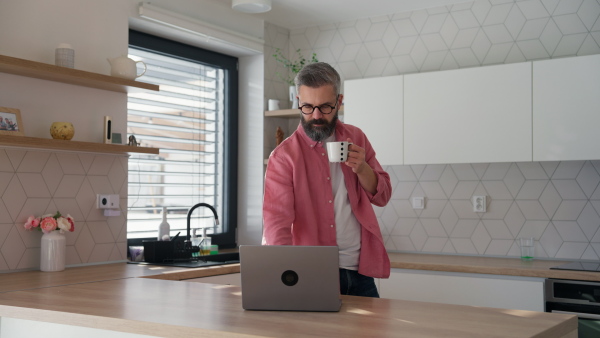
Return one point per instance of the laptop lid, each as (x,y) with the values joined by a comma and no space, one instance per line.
(290,278)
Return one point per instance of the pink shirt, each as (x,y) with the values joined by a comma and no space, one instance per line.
(298,198)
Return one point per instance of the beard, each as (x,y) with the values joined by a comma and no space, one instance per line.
(319,133)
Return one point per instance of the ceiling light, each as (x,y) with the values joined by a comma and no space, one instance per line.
(251,6)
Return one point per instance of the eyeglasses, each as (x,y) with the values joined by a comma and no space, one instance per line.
(325,109)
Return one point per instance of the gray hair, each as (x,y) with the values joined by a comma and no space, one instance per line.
(318,74)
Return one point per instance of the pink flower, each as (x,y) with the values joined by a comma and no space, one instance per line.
(32,222)
(71,222)
(48,224)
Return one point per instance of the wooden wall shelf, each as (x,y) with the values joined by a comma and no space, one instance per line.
(50,72)
(44,143)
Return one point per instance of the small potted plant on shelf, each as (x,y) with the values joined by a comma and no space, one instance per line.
(293,67)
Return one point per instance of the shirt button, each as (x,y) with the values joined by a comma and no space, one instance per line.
(329,201)
(328,178)
(322,154)
(312,145)
(332,225)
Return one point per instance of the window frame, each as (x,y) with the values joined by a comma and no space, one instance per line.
(229,64)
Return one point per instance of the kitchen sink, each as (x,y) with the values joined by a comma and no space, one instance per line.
(208,260)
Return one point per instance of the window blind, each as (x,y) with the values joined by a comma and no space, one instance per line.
(185,120)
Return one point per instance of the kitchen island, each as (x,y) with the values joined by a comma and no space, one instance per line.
(111,297)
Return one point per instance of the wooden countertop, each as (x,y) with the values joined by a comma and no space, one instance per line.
(488,265)
(173,309)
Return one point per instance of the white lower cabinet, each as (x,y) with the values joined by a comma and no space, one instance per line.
(506,292)
(229,279)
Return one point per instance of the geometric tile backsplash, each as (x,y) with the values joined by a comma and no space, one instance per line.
(34,182)
(558,203)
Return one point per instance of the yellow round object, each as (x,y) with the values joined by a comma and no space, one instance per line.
(62,130)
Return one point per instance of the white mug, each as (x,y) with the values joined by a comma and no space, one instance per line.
(338,151)
(273,104)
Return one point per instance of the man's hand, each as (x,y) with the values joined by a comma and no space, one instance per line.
(356,161)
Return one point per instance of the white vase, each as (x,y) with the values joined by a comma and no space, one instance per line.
(53,253)
(293,97)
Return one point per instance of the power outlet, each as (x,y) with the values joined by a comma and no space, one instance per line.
(479,203)
(107,201)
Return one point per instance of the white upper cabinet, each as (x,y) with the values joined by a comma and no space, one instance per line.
(375,106)
(566,109)
(469,115)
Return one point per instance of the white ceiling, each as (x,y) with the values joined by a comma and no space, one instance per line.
(307,13)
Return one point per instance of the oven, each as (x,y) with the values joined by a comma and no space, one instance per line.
(581,298)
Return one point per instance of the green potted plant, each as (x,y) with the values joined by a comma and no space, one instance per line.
(293,67)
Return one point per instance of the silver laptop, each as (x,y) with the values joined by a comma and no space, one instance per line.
(290,278)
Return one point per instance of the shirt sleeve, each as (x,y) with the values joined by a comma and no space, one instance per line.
(278,203)
(384,186)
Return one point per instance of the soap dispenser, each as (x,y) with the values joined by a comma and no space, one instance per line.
(164,229)
(206,243)
(196,242)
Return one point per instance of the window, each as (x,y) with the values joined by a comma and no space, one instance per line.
(193,120)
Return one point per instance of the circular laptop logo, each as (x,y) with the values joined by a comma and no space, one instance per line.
(289,278)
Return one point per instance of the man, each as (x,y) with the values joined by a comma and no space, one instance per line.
(310,201)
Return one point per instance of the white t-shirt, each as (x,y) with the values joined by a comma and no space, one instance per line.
(346,224)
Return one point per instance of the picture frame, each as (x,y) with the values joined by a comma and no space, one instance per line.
(11,122)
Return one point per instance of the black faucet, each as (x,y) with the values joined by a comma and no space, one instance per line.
(189,215)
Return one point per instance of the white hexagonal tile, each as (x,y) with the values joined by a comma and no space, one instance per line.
(448,218)
(533,29)
(86,198)
(70,164)
(497,190)
(497,229)
(465,19)
(532,210)
(514,180)
(349,70)
(534,229)
(449,248)
(532,189)
(550,37)
(464,38)
(403,243)
(533,9)
(33,162)
(463,246)
(480,238)
(550,199)
(69,206)
(434,23)
(350,35)
(464,209)
(324,38)
(569,24)
(433,227)
(569,210)
(589,12)
(404,64)
(15,156)
(418,236)
(85,243)
(571,250)
(514,219)
(403,208)
(589,253)
(435,244)
(52,173)
(498,34)
(569,189)
(566,7)
(532,170)
(432,189)
(13,249)
(499,247)
(433,208)
(481,9)
(362,27)
(377,30)
(533,49)
(33,185)
(403,190)
(569,231)
(551,240)
(404,27)
(30,259)
(515,55)
(589,221)
(569,45)
(72,256)
(389,217)
(101,232)
(464,190)
(497,209)
(101,252)
(498,14)
(418,18)
(432,172)
(5,164)
(589,46)
(69,186)
(418,53)
(14,197)
(449,30)
(404,226)
(101,165)
(435,43)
